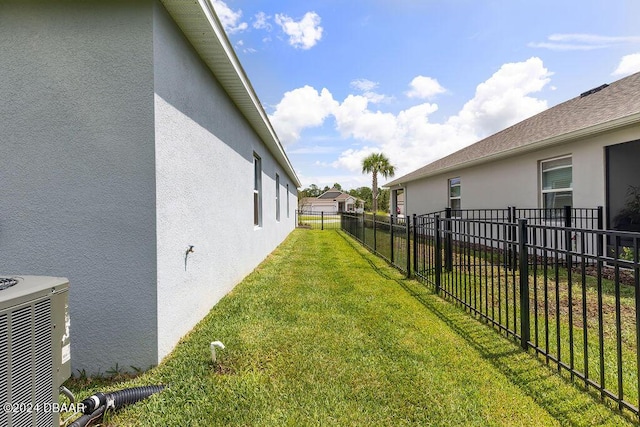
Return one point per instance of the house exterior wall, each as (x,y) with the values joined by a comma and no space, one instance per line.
(77,168)
(118,150)
(205,180)
(515,181)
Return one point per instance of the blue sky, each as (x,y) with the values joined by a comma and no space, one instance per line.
(418,79)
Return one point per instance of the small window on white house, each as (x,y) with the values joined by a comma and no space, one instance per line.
(556,177)
(455,194)
(287,200)
(277,197)
(257,191)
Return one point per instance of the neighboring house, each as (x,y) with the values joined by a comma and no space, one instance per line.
(332,201)
(130,134)
(584,152)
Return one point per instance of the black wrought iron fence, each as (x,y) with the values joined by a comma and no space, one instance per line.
(318,220)
(552,280)
(386,236)
(562,291)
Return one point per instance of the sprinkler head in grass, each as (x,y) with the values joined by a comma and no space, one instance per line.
(212,347)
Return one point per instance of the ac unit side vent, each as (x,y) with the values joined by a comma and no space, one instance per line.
(4,367)
(21,324)
(43,358)
(34,341)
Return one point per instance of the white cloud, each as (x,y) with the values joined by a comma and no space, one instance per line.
(593,38)
(364,85)
(261,21)
(629,64)
(301,108)
(409,138)
(303,34)
(231,20)
(425,88)
(315,149)
(502,100)
(354,119)
(412,141)
(565,42)
(367,88)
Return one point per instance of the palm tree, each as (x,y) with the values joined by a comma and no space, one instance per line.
(377,163)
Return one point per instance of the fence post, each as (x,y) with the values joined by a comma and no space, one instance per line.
(321,220)
(391,236)
(438,252)
(374,234)
(567,238)
(512,230)
(448,241)
(364,228)
(600,225)
(415,243)
(567,216)
(407,223)
(525,327)
(514,246)
(508,262)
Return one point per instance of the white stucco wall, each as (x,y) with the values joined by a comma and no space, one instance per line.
(92,92)
(514,181)
(204,160)
(77,180)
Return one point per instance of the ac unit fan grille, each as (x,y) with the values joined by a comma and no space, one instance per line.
(6,282)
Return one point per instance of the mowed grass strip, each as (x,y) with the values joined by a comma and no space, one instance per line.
(324,333)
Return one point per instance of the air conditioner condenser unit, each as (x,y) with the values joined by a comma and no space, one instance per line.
(35,357)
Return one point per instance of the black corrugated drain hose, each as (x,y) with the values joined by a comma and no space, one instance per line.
(96,405)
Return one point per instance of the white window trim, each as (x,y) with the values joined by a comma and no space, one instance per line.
(541,176)
(257,191)
(277,198)
(449,186)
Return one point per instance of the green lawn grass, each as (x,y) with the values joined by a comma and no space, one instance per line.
(325,333)
(494,291)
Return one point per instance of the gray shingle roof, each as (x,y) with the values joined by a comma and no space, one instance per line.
(331,194)
(617,104)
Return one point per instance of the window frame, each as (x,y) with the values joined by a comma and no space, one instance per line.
(277,197)
(450,197)
(542,171)
(257,191)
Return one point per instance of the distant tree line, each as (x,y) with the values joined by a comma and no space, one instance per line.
(375,198)
(362,193)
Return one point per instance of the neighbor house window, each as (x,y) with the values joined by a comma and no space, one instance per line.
(257,191)
(454,193)
(287,200)
(277,197)
(556,182)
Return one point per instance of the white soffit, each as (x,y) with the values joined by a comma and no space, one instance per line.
(201,26)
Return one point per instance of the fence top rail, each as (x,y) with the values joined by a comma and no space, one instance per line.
(432,214)
(610,233)
(319,212)
(574,210)
(571,216)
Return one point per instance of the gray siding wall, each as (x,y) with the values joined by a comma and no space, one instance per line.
(77,168)
(204,160)
(515,181)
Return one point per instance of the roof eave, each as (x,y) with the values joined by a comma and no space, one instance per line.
(215,49)
(555,140)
